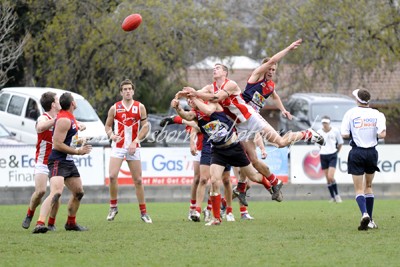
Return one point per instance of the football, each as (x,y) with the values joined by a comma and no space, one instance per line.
(131,22)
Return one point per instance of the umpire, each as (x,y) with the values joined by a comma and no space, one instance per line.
(363,125)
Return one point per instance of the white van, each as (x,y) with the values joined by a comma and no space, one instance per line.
(20,107)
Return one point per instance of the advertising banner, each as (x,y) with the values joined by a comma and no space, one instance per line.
(174,166)
(17,166)
(305,165)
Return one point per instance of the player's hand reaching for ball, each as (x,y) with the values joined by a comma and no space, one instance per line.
(175,103)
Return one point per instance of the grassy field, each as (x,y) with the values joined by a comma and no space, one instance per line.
(291,233)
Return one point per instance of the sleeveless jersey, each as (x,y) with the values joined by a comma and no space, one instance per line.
(44,144)
(234,106)
(126,123)
(256,94)
(71,138)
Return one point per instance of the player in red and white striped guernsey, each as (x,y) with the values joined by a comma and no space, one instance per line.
(130,127)
(248,122)
(44,129)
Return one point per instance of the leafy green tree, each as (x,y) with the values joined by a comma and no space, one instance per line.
(342,39)
(83,48)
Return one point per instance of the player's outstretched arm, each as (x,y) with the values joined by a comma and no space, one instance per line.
(259,72)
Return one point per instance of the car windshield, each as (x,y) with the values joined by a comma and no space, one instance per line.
(3,132)
(335,111)
(85,112)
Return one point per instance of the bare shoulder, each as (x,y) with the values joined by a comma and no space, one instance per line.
(232,86)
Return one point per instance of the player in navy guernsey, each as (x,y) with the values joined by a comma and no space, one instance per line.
(226,149)
(62,169)
(363,125)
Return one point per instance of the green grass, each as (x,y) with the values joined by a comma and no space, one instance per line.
(291,233)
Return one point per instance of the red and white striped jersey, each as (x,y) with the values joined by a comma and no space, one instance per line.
(126,123)
(44,144)
(235,106)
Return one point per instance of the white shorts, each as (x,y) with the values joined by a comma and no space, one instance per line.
(41,168)
(247,130)
(122,153)
(198,156)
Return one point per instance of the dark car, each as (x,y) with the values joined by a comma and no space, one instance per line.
(308,109)
(169,135)
(7,138)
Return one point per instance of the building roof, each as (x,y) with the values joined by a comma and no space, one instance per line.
(234,62)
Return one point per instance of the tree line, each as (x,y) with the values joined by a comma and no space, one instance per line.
(79,44)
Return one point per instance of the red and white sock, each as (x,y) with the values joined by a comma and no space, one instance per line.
(142,208)
(113,203)
(272,179)
(216,206)
(209,203)
(243,210)
(192,204)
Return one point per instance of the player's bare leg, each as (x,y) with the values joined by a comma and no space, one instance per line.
(135,166)
(114,167)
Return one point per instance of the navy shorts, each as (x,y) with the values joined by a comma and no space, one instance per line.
(328,160)
(205,159)
(232,155)
(64,168)
(362,160)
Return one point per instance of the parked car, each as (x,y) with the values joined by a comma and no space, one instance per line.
(170,135)
(20,107)
(7,138)
(308,109)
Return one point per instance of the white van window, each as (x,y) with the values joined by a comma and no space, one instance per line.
(85,112)
(3,101)
(32,111)
(16,105)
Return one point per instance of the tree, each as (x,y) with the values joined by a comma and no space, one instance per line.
(343,40)
(83,49)
(10,50)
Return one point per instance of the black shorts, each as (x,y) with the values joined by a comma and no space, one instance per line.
(64,168)
(232,155)
(328,160)
(205,159)
(362,160)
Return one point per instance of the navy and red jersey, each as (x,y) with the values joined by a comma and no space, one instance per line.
(217,128)
(71,138)
(256,94)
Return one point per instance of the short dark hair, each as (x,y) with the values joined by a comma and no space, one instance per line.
(224,68)
(66,100)
(47,99)
(364,95)
(125,82)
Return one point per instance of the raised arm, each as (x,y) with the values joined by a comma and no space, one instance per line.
(187,115)
(259,72)
(43,123)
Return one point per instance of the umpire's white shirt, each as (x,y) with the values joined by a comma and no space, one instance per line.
(364,124)
(332,138)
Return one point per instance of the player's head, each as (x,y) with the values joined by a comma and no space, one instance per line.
(326,121)
(66,101)
(220,70)
(127,89)
(272,69)
(47,100)
(362,95)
